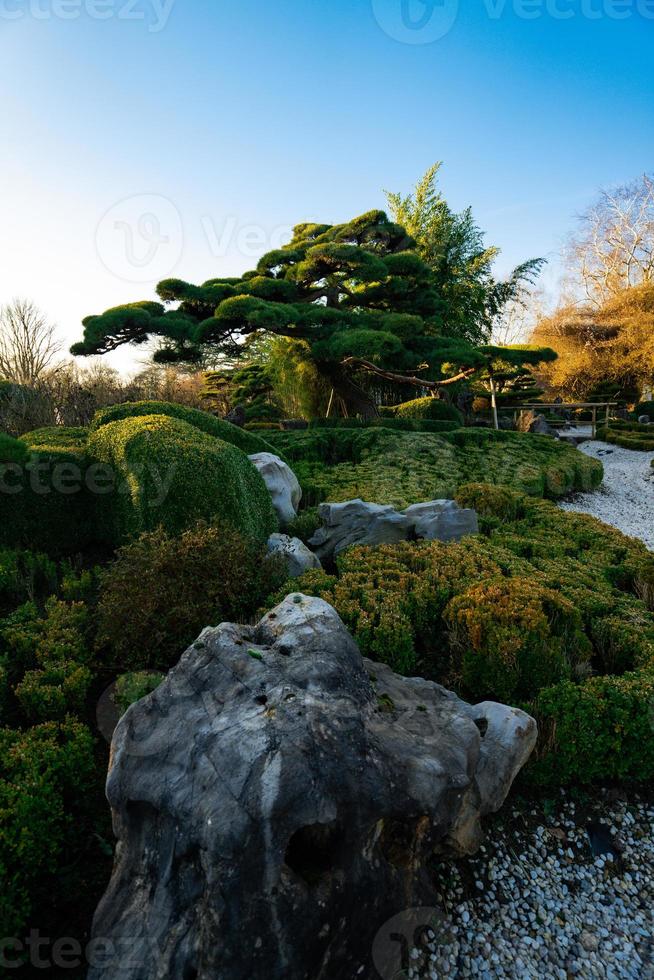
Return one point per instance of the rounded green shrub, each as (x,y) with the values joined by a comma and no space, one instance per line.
(492,501)
(596,732)
(212,426)
(513,637)
(171,474)
(162,590)
(426,408)
(12,450)
(57,438)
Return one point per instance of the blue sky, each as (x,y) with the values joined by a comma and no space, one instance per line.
(184,137)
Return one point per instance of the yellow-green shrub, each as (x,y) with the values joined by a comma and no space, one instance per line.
(209,424)
(172,474)
(511,637)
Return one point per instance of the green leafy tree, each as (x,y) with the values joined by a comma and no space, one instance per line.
(452,244)
(506,376)
(357,294)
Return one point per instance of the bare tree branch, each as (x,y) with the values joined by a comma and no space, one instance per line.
(28,343)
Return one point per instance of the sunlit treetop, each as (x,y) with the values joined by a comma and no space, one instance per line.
(358,294)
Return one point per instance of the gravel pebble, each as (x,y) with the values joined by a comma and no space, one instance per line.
(537,921)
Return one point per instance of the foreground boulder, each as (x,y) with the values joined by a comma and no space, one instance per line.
(282,484)
(276,801)
(358,522)
(297,557)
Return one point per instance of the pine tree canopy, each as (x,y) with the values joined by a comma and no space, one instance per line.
(358,293)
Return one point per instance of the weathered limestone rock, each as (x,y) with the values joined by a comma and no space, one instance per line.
(442,520)
(282,484)
(276,801)
(299,559)
(357,522)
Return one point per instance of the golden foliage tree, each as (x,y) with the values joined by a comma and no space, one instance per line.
(610,345)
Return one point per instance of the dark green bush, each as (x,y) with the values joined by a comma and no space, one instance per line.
(595,732)
(25,576)
(46,503)
(645,408)
(208,424)
(163,590)
(305,524)
(50,786)
(425,408)
(172,474)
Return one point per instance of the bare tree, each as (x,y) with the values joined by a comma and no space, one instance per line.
(28,343)
(614,246)
(519,318)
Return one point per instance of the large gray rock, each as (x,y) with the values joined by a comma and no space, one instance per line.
(357,522)
(277,800)
(299,559)
(442,520)
(282,484)
(644,419)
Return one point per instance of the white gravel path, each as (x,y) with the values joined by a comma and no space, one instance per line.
(540,901)
(626,497)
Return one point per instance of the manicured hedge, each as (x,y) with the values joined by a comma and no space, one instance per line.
(425,408)
(57,438)
(45,502)
(209,424)
(387,422)
(171,474)
(402,468)
(628,435)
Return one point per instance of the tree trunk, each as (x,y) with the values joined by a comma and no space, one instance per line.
(493,389)
(354,399)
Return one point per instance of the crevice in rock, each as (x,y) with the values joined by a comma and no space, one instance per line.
(312,850)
